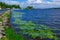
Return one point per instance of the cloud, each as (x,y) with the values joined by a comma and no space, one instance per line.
(11,2)
(56,0)
(35,3)
(41,3)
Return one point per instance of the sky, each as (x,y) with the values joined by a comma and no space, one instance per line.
(34,3)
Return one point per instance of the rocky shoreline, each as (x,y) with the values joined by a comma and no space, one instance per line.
(3,23)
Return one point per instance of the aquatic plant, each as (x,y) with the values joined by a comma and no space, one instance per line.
(35,30)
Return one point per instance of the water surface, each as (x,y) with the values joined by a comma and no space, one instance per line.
(48,17)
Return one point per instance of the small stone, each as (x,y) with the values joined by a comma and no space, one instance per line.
(0,36)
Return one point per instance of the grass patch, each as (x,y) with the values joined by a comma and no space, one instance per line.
(11,35)
(8,15)
(0,19)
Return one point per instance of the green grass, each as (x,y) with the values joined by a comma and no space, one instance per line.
(2,38)
(11,35)
(0,19)
(8,15)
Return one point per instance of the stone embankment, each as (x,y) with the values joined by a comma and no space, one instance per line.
(3,23)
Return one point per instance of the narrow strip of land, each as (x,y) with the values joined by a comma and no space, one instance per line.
(1,23)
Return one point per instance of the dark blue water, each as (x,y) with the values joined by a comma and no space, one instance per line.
(48,17)
(2,11)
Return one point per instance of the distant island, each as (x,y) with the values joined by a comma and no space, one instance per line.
(29,8)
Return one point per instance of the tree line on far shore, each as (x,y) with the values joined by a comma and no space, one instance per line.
(4,6)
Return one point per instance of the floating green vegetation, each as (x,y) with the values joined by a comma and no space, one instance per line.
(11,35)
(33,29)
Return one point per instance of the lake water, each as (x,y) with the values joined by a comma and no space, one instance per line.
(2,11)
(48,17)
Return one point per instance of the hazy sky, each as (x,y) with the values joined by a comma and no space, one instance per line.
(35,3)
